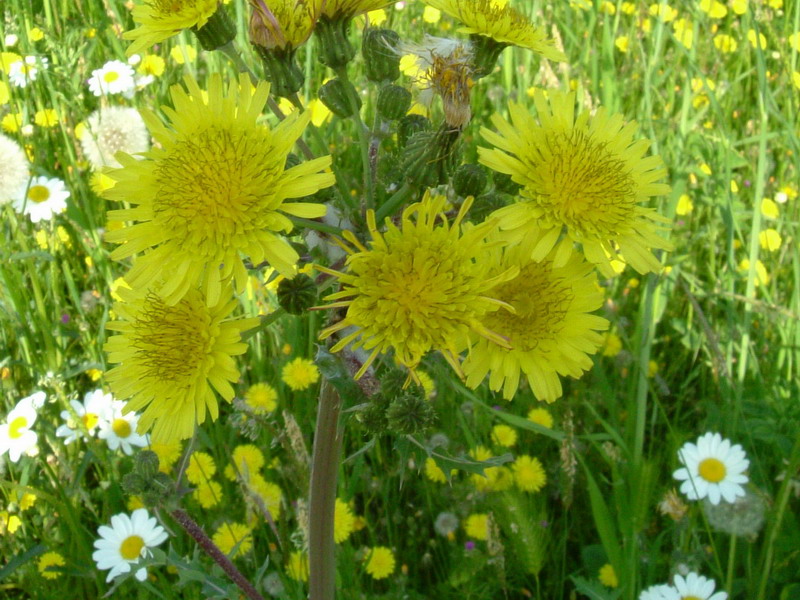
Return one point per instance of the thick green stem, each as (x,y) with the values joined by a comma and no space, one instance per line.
(322,502)
(392,204)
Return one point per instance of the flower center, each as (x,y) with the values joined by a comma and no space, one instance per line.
(90,420)
(131,547)
(15,427)
(110,76)
(218,185)
(691,598)
(38,193)
(173,341)
(121,428)
(712,469)
(541,302)
(582,183)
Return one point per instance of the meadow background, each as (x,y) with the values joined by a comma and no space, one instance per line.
(710,344)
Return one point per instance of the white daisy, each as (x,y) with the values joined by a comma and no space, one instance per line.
(85,418)
(21,72)
(13,169)
(16,436)
(127,540)
(656,592)
(37,400)
(693,587)
(119,430)
(114,77)
(42,199)
(111,130)
(712,468)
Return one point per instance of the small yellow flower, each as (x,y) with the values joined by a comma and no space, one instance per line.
(9,523)
(505,436)
(664,11)
(228,535)
(380,562)
(201,468)
(5,95)
(183,54)
(757,40)
(434,472)
(94,374)
(725,43)
(261,398)
(297,567)
(652,368)
(769,208)
(541,416)
(529,474)
(160,20)
(705,169)
(48,560)
(762,276)
(248,460)
(628,8)
(12,122)
(713,8)
(167,453)
(47,117)
(622,43)
(151,64)
(608,576)
(608,8)
(133,503)
(796,79)
(431,15)
(343,520)
(685,205)
(208,494)
(684,32)
(35,34)
(794,41)
(300,374)
(477,526)
(26,501)
(739,6)
(770,240)
(376,17)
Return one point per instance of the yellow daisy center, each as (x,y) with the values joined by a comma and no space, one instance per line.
(585,185)
(90,420)
(15,426)
(173,341)
(121,428)
(712,469)
(541,304)
(131,547)
(38,193)
(691,598)
(213,187)
(110,76)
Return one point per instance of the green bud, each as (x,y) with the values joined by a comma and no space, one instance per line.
(410,413)
(338,96)
(133,483)
(292,160)
(335,47)
(393,102)
(486,204)
(373,416)
(430,156)
(409,125)
(381,61)
(485,52)
(392,382)
(298,294)
(281,70)
(504,183)
(146,464)
(218,31)
(469,180)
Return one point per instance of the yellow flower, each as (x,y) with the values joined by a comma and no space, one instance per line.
(269,494)
(168,453)
(300,374)
(769,208)
(757,40)
(725,43)
(380,562)
(228,535)
(493,478)
(133,503)
(608,576)
(208,494)
(434,472)
(171,359)
(608,8)
(796,79)
(5,95)
(541,416)
(283,24)
(583,172)
(550,331)
(529,474)
(770,240)
(622,43)
(685,205)
(503,24)
(431,15)
(161,19)
(47,117)
(684,32)
(628,8)
(26,501)
(151,64)
(35,34)
(9,523)
(713,8)
(183,54)
(215,189)
(297,568)
(739,6)
(705,169)
(794,41)
(343,520)
(201,467)
(261,398)
(347,9)
(247,462)
(505,436)
(48,560)
(417,288)
(477,526)
(12,122)
(762,276)
(664,11)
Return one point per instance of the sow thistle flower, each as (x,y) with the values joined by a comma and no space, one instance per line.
(161,19)
(585,174)
(493,27)
(550,332)
(214,189)
(172,359)
(417,288)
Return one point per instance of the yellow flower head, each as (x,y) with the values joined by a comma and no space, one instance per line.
(505,436)
(284,24)
(247,462)
(550,332)
(208,494)
(47,560)
(171,359)
(214,190)
(500,22)
(297,568)
(347,9)
(228,535)
(261,398)
(434,472)
(269,495)
(477,526)
(585,173)
(161,19)
(529,474)
(300,374)
(343,521)
(201,468)
(380,562)
(417,288)
(541,416)
(607,576)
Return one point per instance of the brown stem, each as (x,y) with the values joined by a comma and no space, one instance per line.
(322,501)
(194,530)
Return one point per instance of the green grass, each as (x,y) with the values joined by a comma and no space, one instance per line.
(727,349)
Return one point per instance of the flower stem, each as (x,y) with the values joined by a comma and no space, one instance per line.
(197,533)
(392,204)
(322,501)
